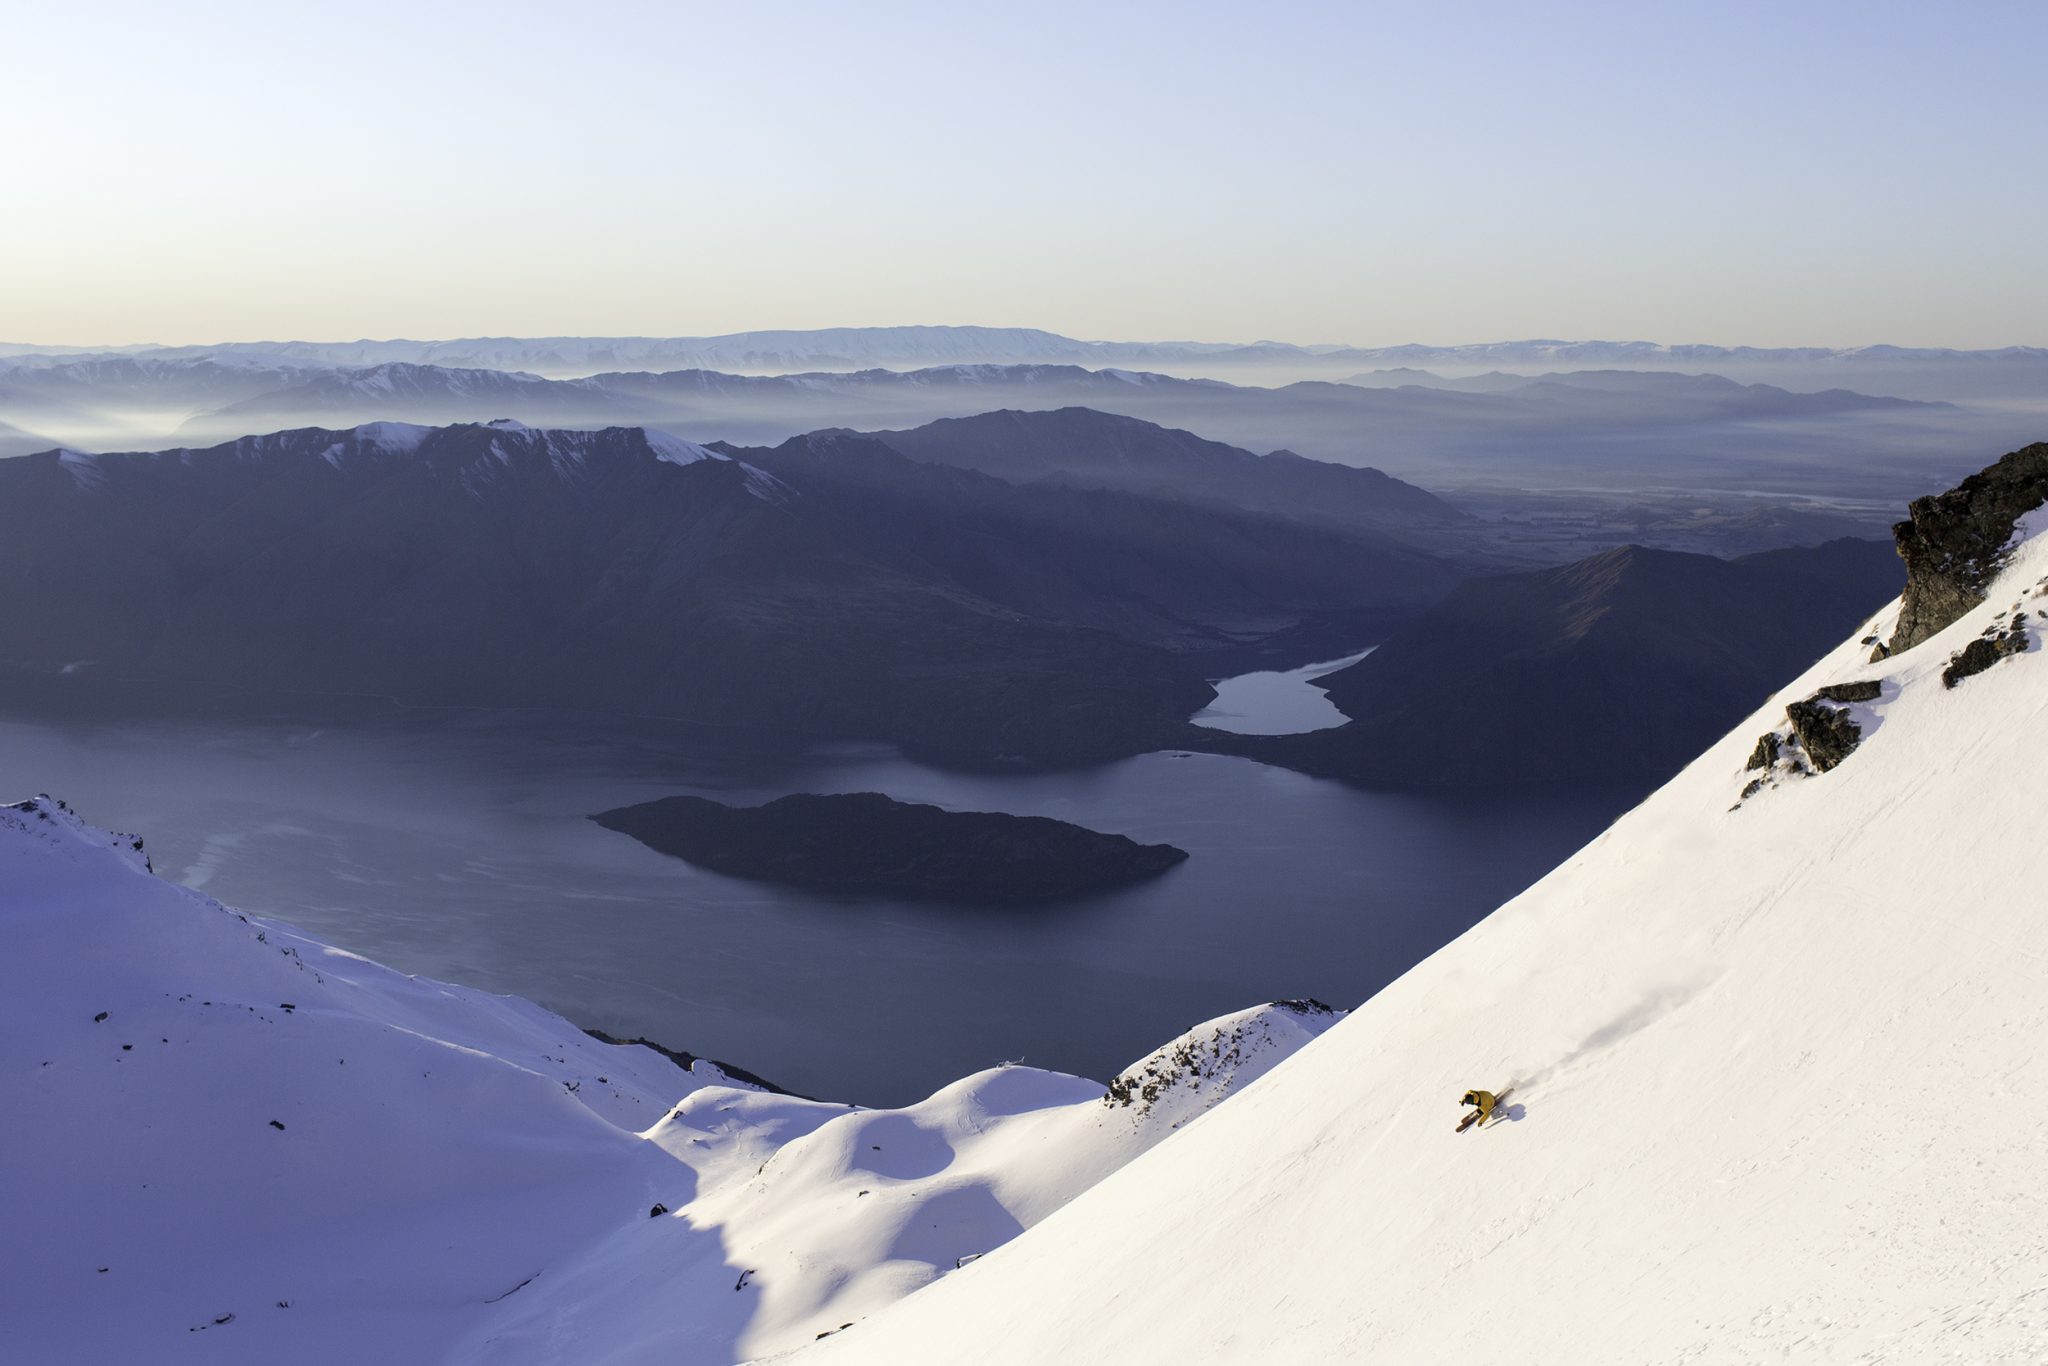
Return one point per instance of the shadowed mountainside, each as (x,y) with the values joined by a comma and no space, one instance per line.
(1618,667)
(1090,449)
(833,589)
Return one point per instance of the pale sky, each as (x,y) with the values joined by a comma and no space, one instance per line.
(1771,173)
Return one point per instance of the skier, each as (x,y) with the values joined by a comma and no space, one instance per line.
(1485,1100)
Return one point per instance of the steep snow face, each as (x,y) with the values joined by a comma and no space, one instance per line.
(1777,1064)
(231,1142)
(213,1115)
(676,451)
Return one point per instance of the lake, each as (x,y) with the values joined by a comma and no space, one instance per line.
(459,848)
(1275,701)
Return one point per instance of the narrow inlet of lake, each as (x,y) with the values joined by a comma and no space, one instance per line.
(1276,702)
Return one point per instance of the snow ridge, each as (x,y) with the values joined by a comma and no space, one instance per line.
(226,1127)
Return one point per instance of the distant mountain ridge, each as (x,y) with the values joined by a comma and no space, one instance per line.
(859,347)
(1571,429)
(1091,449)
(1566,416)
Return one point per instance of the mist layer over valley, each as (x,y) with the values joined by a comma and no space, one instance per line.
(1532,414)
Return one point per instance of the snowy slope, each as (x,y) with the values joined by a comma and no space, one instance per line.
(230,1142)
(1779,1070)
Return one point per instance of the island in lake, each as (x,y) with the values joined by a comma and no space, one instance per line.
(870,844)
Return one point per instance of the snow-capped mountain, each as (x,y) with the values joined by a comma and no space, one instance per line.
(231,1142)
(1776,1044)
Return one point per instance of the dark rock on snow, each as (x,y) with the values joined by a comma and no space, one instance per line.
(1865,690)
(688,1061)
(1826,733)
(1953,542)
(869,844)
(1986,650)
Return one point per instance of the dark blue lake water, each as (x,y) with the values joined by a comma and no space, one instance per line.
(460,850)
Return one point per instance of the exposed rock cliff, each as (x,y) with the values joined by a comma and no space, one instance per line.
(1953,542)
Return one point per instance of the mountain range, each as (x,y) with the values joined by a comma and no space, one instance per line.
(1611,429)
(853,348)
(1035,588)
(829,587)
(1533,415)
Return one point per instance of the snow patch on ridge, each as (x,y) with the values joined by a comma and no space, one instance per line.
(84,469)
(395,438)
(674,450)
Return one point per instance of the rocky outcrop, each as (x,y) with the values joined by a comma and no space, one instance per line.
(688,1061)
(1818,738)
(1204,1068)
(1825,733)
(867,844)
(1953,542)
(1997,642)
